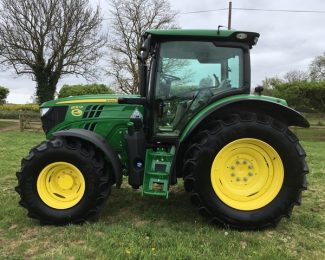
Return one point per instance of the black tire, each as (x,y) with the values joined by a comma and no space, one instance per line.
(211,138)
(86,158)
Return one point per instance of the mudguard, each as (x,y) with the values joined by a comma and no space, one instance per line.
(273,107)
(101,144)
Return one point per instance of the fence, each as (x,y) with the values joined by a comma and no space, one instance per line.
(27,122)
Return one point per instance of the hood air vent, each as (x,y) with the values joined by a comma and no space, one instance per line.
(90,126)
(93,111)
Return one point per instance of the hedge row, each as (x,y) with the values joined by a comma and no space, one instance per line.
(77,90)
(18,107)
(302,95)
(14,114)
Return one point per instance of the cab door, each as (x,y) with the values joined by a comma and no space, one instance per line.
(188,75)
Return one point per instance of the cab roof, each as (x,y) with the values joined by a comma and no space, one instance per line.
(222,35)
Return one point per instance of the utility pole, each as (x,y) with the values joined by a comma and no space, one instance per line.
(229,15)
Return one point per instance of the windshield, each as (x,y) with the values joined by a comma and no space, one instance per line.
(189,74)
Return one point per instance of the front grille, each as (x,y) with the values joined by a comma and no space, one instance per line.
(54,116)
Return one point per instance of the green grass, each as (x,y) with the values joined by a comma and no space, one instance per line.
(310,134)
(144,228)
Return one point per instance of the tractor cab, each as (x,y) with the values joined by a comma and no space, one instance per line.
(185,70)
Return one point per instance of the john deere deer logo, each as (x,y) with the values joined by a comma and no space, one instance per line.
(76,110)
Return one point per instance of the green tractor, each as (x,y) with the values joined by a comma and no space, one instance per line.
(195,118)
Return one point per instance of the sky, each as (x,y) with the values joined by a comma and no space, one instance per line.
(288,41)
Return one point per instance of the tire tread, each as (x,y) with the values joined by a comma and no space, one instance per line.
(191,158)
(92,156)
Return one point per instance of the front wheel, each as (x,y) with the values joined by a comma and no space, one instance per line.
(63,180)
(245,171)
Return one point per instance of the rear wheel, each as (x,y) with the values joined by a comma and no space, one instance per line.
(63,180)
(245,171)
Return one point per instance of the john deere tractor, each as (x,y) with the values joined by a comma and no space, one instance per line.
(195,118)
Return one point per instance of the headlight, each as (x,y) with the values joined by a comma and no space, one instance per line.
(241,36)
(44,110)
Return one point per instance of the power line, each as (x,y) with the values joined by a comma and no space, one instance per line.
(248,9)
(280,10)
(257,10)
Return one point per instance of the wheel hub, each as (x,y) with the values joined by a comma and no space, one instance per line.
(247,174)
(60,185)
(65,182)
(242,170)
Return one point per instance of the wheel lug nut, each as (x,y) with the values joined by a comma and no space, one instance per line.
(250,174)
(232,167)
(237,179)
(245,179)
(233,174)
(244,162)
(237,162)
(250,167)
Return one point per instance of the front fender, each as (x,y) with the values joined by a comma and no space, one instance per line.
(101,144)
(271,106)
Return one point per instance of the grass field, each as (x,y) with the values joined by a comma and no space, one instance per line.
(132,227)
(315,133)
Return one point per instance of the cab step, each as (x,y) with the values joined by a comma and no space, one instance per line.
(157,172)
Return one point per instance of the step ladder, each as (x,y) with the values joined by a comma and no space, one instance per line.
(157,172)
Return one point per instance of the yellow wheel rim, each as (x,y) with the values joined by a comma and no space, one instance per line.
(61,185)
(247,174)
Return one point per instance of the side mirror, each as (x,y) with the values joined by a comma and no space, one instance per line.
(259,90)
(145,48)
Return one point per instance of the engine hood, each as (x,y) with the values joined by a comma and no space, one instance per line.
(98,98)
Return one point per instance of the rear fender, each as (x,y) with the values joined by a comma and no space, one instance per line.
(277,110)
(101,144)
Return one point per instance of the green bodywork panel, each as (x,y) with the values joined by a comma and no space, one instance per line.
(75,99)
(191,32)
(111,121)
(222,101)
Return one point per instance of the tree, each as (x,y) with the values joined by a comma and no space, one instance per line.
(271,83)
(315,93)
(48,39)
(3,94)
(131,18)
(296,76)
(317,68)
